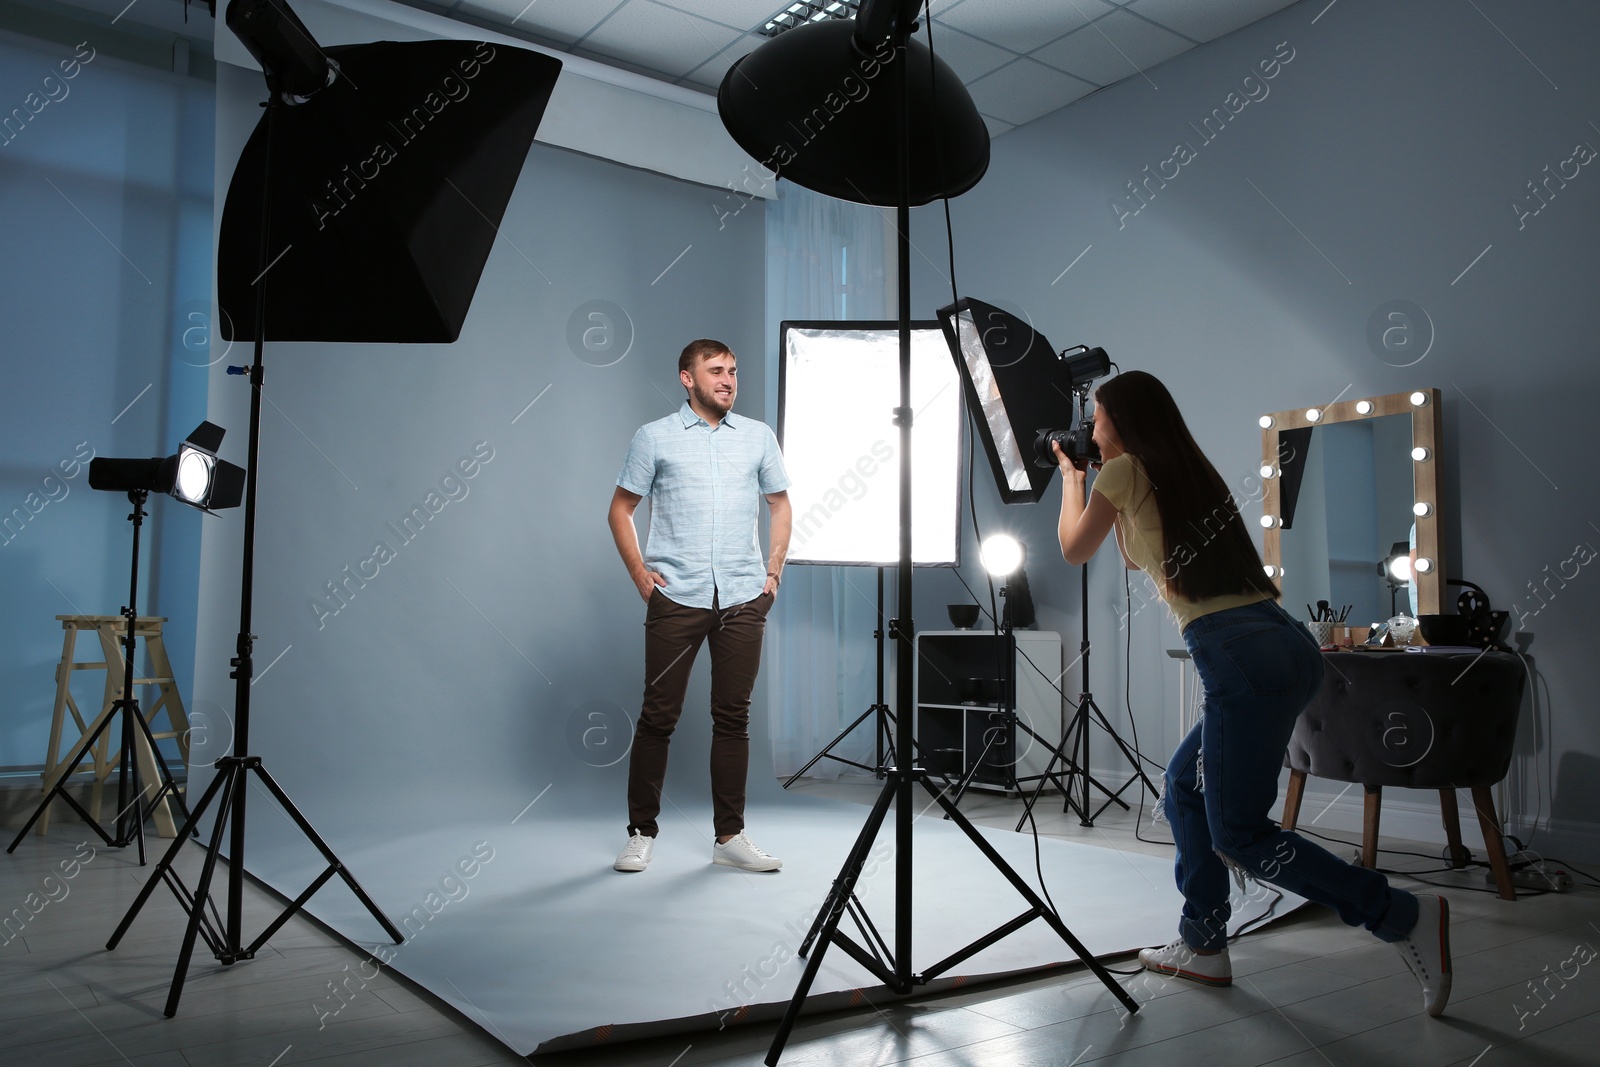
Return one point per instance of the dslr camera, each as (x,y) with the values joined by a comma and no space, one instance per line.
(1077,445)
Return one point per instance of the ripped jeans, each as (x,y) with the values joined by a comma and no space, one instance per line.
(1258,669)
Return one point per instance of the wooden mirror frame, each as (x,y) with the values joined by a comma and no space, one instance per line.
(1426,432)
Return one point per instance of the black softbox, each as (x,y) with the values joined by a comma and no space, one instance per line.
(388,189)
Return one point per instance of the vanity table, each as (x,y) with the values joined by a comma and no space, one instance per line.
(1343,483)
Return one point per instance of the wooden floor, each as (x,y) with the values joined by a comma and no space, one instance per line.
(1308,991)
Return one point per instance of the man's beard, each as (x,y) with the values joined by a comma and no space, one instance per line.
(714,400)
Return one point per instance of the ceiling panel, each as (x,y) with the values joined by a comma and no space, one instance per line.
(708,76)
(1024,90)
(650,35)
(968,56)
(740,14)
(1113,48)
(1022,25)
(1205,21)
(563,21)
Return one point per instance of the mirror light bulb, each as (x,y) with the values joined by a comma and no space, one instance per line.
(1364,407)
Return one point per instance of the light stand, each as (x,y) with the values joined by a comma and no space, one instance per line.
(222,934)
(131,811)
(883,719)
(751,121)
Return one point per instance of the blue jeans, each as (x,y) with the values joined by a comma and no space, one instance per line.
(1258,669)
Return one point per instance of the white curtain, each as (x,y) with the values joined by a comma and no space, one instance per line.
(826,259)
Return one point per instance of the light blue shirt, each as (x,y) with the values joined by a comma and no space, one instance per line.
(705,485)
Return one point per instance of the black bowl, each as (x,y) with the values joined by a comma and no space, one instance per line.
(978,690)
(1445,629)
(962,616)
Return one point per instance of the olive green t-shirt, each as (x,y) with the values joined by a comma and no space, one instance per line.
(1123,482)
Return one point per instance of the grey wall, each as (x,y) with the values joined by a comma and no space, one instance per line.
(1388,159)
(466,668)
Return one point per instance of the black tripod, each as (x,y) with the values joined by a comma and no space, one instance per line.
(222,934)
(893,966)
(1078,732)
(131,809)
(883,718)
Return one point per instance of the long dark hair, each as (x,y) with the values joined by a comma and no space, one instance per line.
(1208,550)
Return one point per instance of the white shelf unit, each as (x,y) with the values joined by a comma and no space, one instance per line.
(957,701)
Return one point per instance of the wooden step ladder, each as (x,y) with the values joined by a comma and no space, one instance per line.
(105,753)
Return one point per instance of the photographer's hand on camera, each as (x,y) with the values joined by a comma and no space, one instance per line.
(1068,467)
(1085,518)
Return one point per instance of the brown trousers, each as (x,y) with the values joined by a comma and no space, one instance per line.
(673,634)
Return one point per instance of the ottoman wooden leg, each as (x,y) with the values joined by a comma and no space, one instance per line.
(1369,826)
(1489,822)
(1459,856)
(1291,801)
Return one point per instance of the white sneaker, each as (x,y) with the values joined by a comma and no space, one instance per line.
(1426,950)
(739,851)
(636,854)
(1181,961)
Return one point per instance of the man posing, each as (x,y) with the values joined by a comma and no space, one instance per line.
(704,470)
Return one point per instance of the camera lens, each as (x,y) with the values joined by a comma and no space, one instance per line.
(1043,455)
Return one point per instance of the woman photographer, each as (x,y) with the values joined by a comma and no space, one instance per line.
(1175,519)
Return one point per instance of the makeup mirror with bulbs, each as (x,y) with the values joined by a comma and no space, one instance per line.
(1343,484)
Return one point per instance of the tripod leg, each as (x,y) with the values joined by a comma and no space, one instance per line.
(853,862)
(1033,898)
(59,789)
(1048,775)
(202,890)
(169,784)
(833,910)
(327,853)
(827,750)
(166,861)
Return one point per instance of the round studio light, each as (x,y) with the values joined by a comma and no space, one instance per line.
(1265,422)
(1363,407)
(1313,414)
(1400,568)
(193,483)
(1420,454)
(1268,522)
(1421,509)
(1001,554)
(1424,565)
(1268,470)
